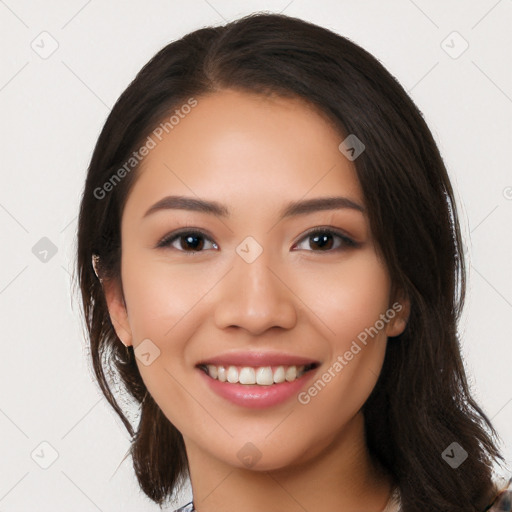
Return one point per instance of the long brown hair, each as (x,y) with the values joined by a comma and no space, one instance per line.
(421,403)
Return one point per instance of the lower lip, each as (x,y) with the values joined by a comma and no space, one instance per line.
(254,396)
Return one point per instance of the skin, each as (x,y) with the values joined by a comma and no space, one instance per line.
(254,154)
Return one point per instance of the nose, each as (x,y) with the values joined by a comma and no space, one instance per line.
(255,297)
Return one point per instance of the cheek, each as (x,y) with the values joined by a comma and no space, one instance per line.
(348,297)
(350,300)
(161,303)
(158,296)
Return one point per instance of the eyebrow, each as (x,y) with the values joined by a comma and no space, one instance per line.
(301,207)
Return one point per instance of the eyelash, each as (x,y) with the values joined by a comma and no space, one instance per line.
(346,242)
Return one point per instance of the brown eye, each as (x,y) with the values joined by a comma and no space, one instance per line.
(186,241)
(324,240)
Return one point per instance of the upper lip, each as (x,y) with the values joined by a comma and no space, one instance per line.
(257,359)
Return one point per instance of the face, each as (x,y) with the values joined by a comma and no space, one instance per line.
(261,283)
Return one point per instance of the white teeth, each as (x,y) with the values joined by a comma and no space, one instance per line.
(263,376)
(247,376)
(291,373)
(212,370)
(221,373)
(279,375)
(232,375)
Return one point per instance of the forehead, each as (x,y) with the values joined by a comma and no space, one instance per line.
(242,148)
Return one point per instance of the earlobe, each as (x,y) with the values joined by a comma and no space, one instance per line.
(398,323)
(117,310)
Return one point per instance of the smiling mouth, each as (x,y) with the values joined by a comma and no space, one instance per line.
(256,375)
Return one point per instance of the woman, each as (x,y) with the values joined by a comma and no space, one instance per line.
(276,243)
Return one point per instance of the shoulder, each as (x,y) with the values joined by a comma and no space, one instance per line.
(189,507)
(501,503)
(503,500)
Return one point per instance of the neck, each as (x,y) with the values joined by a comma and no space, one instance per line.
(341,476)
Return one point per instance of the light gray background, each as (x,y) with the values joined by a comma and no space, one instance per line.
(52,110)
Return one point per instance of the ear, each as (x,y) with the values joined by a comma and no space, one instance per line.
(402,308)
(117,310)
